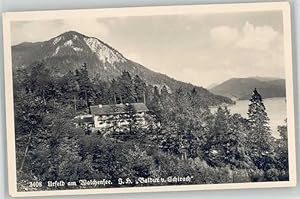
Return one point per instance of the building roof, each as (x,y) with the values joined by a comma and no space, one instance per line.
(117,109)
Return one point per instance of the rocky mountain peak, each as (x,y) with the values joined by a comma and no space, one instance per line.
(78,42)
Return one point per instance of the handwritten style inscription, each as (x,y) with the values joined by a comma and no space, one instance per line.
(158,180)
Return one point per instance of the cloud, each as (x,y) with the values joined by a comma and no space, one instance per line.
(224,35)
(249,37)
(34,31)
(242,51)
(260,37)
(201,51)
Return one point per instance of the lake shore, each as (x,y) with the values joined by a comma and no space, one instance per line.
(275,108)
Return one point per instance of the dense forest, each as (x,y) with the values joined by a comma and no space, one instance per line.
(190,140)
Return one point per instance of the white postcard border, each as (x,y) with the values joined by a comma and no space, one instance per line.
(146,11)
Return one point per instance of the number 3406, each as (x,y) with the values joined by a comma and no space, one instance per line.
(35,184)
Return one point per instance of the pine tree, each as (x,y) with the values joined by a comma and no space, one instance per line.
(86,93)
(235,142)
(139,89)
(113,91)
(155,105)
(102,91)
(131,117)
(126,89)
(260,138)
(42,84)
(282,151)
(69,89)
(164,92)
(215,150)
(194,99)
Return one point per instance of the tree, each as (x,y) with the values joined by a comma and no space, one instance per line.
(282,151)
(215,151)
(42,84)
(126,88)
(69,89)
(131,117)
(140,163)
(164,93)
(235,143)
(63,148)
(260,138)
(155,105)
(31,96)
(86,93)
(139,89)
(29,114)
(194,98)
(102,92)
(113,91)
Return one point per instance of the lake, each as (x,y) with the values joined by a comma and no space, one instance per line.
(275,107)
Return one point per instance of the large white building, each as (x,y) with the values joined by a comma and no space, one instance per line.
(118,115)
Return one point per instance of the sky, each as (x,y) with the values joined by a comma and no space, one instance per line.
(201,49)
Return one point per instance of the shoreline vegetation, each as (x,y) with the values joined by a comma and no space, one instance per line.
(275,107)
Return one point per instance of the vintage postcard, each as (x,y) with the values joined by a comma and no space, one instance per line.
(145,99)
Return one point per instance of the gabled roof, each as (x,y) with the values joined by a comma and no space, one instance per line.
(117,108)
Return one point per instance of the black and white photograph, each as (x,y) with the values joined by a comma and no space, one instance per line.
(149,99)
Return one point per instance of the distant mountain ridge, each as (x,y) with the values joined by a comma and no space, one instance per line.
(242,88)
(70,50)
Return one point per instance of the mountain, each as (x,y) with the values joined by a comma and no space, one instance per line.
(264,79)
(241,88)
(70,50)
(211,86)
